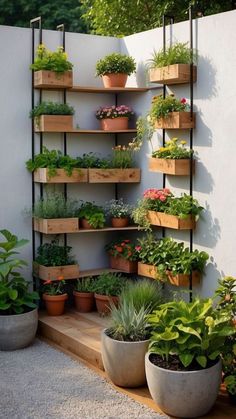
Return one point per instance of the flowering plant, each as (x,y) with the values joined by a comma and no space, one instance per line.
(161,107)
(118,209)
(112,112)
(54,287)
(124,249)
(52,61)
(173,150)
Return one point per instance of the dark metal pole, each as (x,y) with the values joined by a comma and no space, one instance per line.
(191,136)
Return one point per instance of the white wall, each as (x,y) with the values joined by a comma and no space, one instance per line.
(214,136)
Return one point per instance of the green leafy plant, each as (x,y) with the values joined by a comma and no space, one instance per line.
(173,149)
(53,61)
(188,333)
(118,209)
(109,284)
(179,53)
(230,382)
(51,108)
(55,205)
(115,63)
(15,297)
(94,214)
(144,293)
(123,156)
(85,285)
(122,248)
(52,254)
(55,287)
(161,107)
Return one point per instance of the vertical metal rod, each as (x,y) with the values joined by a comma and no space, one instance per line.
(191,138)
(116,143)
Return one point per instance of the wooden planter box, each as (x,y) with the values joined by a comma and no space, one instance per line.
(149,271)
(51,79)
(182,280)
(114,175)
(56,225)
(180,167)
(77,176)
(176,120)
(53,272)
(53,123)
(123,264)
(172,74)
(171,221)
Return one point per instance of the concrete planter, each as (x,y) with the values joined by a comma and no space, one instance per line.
(124,362)
(185,394)
(18,330)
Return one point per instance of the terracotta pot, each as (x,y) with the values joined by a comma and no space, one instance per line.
(103,303)
(85,224)
(119,222)
(114,80)
(84,301)
(114,124)
(123,265)
(55,304)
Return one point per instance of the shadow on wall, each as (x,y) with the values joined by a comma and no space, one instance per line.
(142,77)
(202,132)
(205,182)
(209,231)
(206,78)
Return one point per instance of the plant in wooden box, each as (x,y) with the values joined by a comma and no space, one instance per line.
(18,310)
(161,208)
(54,260)
(53,214)
(172,65)
(226,300)
(52,117)
(171,113)
(52,69)
(173,158)
(107,288)
(125,342)
(119,212)
(114,118)
(54,296)
(51,166)
(123,255)
(115,69)
(84,294)
(184,356)
(91,216)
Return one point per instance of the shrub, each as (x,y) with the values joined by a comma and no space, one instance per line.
(52,254)
(51,108)
(115,63)
(52,61)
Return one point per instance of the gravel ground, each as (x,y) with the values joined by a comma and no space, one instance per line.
(40,382)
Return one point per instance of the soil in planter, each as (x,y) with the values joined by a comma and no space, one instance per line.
(174,363)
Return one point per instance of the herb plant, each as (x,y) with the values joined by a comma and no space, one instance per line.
(94,214)
(85,284)
(109,284)
(161,107)
(55,205)
(115,63)
(52,254)
(122,248)
(118,209)
(173,149)
(112,112)
(123,156)
(53,61)
(179,53)
(51,108)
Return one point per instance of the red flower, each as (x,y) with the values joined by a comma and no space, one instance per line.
(119,249)
(47,282)
(183,100)
(162,198)
(138,248)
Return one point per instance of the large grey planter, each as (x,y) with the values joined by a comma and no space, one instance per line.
(18,330)
(186,394)
(124,362)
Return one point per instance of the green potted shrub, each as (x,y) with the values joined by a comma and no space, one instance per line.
(107,288)
(54,260)
(84,295)
(123,255)
(119,212)
(18,308)
(125,341)
(171,113)
(184,356)
(172,65)
(115,69)
(91,216)
(54,296)
(52,69)
(114,118)
(52,117)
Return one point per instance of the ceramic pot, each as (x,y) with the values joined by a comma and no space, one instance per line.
(114,80)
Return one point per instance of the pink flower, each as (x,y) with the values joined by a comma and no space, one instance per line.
(183,100)
(162,198)
(138,248)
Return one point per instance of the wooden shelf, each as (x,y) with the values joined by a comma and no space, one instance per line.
(93,89)
(98,230)
(94,131)
(94,272)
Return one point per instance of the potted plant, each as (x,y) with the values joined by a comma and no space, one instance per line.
(172,65)
(123,255)
(52,117)
(91,216)
(115,69)
(119,212)
(53,167)
(107,288)
(54,296)
(54,260)
(18,308)
(84,295)
(114,118)
(161,208)
(52,69)
(171,113)
(173,158)
(53,214)
(183,361)
(125,341)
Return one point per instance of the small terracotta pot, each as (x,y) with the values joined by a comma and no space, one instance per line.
(114,80)
(103,303)
(85,224)
(55,304)
(84,301)
(114,124)
(119,222)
